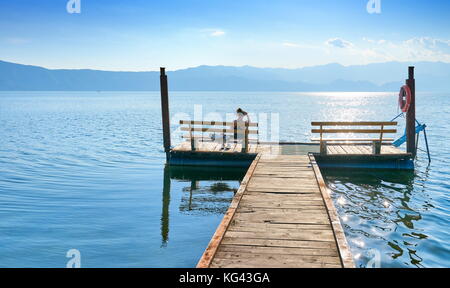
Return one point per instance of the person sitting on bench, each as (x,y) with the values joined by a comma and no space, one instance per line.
(241,114)
(241,119)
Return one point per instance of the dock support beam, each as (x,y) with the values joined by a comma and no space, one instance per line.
(165,111)
(411,115)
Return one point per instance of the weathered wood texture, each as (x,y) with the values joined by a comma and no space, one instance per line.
(411,114)
(361,149)
(229,148)
(214,123)
(275,149)
(217,238)
(343,247)
(278,218)
(165,110)
(376,143)
(228,132)
(355,123)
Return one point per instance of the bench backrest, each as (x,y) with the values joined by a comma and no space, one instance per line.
(224,131)
(371,127)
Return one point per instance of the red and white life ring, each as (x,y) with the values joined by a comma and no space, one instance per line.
(404,98)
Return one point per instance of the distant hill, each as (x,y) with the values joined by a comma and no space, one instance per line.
(389,76)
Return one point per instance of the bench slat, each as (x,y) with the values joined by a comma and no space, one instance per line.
(214,123)
(352,139)
(217,130)
(218,137)
(365,131)
(357,123)
(361,144)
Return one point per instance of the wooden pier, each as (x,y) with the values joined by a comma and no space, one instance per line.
(281,216)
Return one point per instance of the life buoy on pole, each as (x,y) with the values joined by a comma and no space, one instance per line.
(404,98)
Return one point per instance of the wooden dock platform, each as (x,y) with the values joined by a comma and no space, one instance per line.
(340,149)
(281,216)
(338,156)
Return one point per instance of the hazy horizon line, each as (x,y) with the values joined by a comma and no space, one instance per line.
(216,91)
(221,65)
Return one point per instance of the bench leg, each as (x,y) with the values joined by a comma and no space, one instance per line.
(224,139)
(323,148)
(192,144)
(376,147)
(245,142)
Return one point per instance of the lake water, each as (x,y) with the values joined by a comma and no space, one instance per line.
(85,171)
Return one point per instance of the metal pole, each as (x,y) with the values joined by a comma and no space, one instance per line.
(426,142)
(411,115)
(417,142)
(165,111)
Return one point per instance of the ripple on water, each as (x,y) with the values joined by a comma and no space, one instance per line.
(85,170)
(392,218)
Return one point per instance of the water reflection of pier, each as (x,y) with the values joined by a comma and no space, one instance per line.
(200,198)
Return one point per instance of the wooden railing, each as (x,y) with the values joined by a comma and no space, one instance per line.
(371,127)
(228,132)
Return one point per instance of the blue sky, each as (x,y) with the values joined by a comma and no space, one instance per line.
(143,35)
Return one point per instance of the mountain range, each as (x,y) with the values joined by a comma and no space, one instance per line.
(388,76)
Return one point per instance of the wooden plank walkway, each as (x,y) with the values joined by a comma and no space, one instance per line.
(281,216)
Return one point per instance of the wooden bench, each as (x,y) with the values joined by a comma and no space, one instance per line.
(233,132)
(341,128)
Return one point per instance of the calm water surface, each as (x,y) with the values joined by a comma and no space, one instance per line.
(85,170)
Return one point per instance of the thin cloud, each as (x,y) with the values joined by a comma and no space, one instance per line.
(290,44)
(372,41)
(381,50)
(339,43)
(214,32)
(414,49)
(428,43)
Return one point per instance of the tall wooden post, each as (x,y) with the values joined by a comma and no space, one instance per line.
(411,115)
(165,111)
